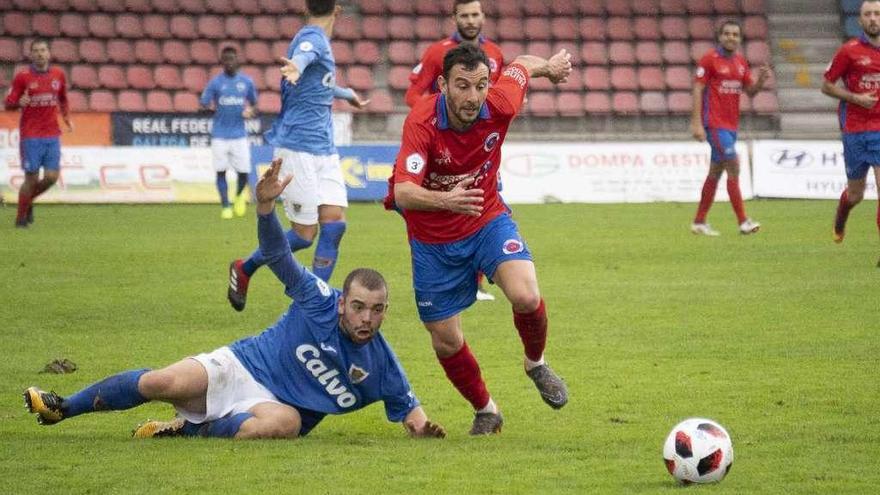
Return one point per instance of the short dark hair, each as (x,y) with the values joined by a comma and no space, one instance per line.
(729,22)
(456,3)
(465,54)
(320,7)
(368,279)
(37,41)
(228,49)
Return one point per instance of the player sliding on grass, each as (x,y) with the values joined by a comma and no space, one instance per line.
(445,185)
(324,356)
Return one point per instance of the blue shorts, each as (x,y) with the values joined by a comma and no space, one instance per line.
(445,275)
(723,143)
(861,151)
(40,152)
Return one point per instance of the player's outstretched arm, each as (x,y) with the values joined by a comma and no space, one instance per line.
(460,199)
(758,85)
(350,96)
(866,100)
(418,425)
(557,68)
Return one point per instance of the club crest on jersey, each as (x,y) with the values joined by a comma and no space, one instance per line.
(239,86)
(512,246)
(56,84)
(491,141)
(415,163)
(306,46)
(357,374)
(865,60)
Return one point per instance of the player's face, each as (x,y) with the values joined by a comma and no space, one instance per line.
(40,54)
(869,18)
(469,20)
(361,312)
(230,62)
(465,93)
(730,37)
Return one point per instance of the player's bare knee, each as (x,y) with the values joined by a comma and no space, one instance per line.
(526,302)
(855,195)
(267,428)
(156,384)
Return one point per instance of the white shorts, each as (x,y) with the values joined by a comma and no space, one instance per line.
(235,153)
(231,388)
(317,180)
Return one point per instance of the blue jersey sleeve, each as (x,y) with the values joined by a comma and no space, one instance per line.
(305,49)
(397,394)
(252,92)
(209,94)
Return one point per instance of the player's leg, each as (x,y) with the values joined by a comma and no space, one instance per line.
(746,225)
(856,161)
(30,153)
(50,160)
(270,420)
(240,159)
(332,201)
(220,160)
(710,185)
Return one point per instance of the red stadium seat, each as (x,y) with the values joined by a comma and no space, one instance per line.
(535,8)
(594,53)
(401,52)
(726,7)
(430,7)
(372,7)
(373,28)
(77,101)
(570,104)
(296,7)
(192,7)
(757,53)
(211,27)
(129,26)
(156,27)
(148,52)
(573,48)
(83,5)
(592,29)
(648,52)
(279,48)
(380,102)
(183,27)
(489,31)
(745,103)
(54,5)
(159,101)
(11,50)
(84,77)
(753,7)
(139,77)
(398,77)
(755,28)
(73,26)
(701,28)
(510,28)
(238,27)
(111,77)
(120,51)
(617,7)
(564,28)
(288,27)
(273,78)
(646,7)
(102,101)
(101,26)
(597,79)
(45,24)
(249,7)
(674,28)
(765,103)
(507,9)
(203,52)
(16,24)
(168,77)
(620,28)
(676,52)
(679,77)
(597,103)
(274,6)
(567,8)
(651,79)
(679,102)
(653,103)
(165,6)
(346,28)
(256,74)
(367,52)
(540,84)
(673,7)
(542,104)
(625,103)
(512,49)
(112,6)
(139,6)
(176,52)
(537,28)
(699,7)
(623,78)
(539,48)
(621,52)
(195,79)
(401,28)
(269,102)
(360,78)
(342,52)
(132,101)
(646,28)
(64,51)
(429,28)
(400,8)
(92,51)
(591,8)
(266,28)
(258,52)
(185,102)
(700,48)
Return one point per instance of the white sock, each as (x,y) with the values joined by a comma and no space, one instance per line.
(530,365)
(489,408)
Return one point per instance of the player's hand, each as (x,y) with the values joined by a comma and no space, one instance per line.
(559,67)
(357,102)
(462,199)
(763,72)
(68,123)
(698,132)
(289,70)
(432,430)
(24,100)
(248,113)
(270,187)
(866,100)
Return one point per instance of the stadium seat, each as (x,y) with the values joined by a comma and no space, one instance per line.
(296,7)
(129,26)
(400,8)
(165,6)
(45,24)
(167,77)
(757,53)
(139,77)
(257,52)
(646,28)
(510,28)
(429,28)
(273,6)
(597,103)
(176,52)
(539,48)
(84,77)
(273,78)
(346,28)
(596,79)
(575,81)
(618,8)
(620,28)
(360,78)
(564,28)
(570,104)
(54,5)
(211,27)
(195,79)
(11,50)
(148,52)
(342,52)
(490,30)
(653,103)
(765,103)
(16,24)
(700,48)
(249,7)
(699,7)
(679,77)
(507,9)
(185,102)
(183,27)
(625,103)
(592,29)
(573,48)
(512,49)
(156,27)
(401,52)
(238,27)
(679,102)
(73,26)
(269,102)
(674,28)
(92,51)
(537,28)
(745,103)
(279,48)
(64,51)
(398,77)
(594,53)
(120,51)
(367,52)
(192,7)
(621,52)
(110,6)
(102,101)
(568,8)
(542,104)
(673,7)
(726,7)
(676,52)
(651,79)
(536,8)
(430,7)
(101,26)
(138,6)
(77,101)
(203,52)
(380,102)
(266,28)
(373,28)
(288,27)
(159,101)
(255,72)
(540,84)
(131,101)
(371,7)
(623,78)
(646,7)
(701,28)
(591,8)
(755,28)
(648,52)
(755,7)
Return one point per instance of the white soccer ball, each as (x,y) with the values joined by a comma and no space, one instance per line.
(698,450)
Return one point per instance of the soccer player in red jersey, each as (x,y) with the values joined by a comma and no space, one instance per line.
(445,185)
(40,91)
(857,62)
(722,75)
(469,18)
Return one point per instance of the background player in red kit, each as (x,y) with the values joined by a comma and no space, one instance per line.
(39,90)
(857,62)
(722,75)
(445,184)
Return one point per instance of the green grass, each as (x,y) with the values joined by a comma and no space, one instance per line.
(774,336)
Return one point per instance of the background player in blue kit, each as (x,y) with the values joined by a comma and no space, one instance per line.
(233,97)
(324,356)
(303,138)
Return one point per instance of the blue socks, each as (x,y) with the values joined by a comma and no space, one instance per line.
(225,427)
(115,393)
(257,260)
(222,188)
(328,249)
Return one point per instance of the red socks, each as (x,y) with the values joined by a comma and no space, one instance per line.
(532,328)
(463,371)
(843,209)
(706,199)
(736,198)
(41,187)
(24,202)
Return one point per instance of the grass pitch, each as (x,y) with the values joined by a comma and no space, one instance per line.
(773,335)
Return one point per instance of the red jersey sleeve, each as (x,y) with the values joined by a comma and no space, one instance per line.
(16,91)
(422,78)
(747,75)
(412,159)
(839,65)
(506,96)
(704,69)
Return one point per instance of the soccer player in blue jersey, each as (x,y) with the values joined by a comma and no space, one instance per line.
(324,356)
(303,138)
(233,97)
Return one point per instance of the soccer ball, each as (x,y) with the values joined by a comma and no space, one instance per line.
(698,450)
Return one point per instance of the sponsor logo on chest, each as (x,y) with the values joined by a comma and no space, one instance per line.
(326,375)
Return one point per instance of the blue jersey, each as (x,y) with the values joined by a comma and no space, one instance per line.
(229,94)
(305,123)
(306,360)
